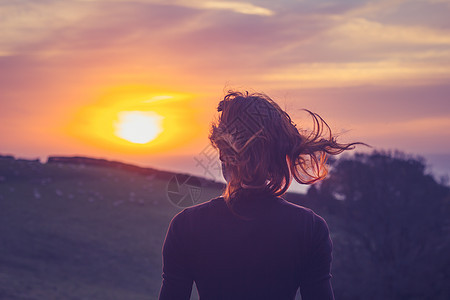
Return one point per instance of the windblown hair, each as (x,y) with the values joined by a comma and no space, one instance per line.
(262,149)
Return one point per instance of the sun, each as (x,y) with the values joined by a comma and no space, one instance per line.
(139,127)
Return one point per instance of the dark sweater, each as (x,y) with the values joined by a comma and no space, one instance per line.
(283,247)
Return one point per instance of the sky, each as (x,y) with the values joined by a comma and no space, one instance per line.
(377,71)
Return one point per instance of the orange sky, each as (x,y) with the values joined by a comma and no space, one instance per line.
(377,72)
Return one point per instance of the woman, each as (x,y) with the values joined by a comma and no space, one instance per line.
(250,243)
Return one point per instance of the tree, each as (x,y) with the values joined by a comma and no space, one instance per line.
(392,227)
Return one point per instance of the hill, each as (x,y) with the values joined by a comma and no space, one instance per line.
(84,228)
(81,228)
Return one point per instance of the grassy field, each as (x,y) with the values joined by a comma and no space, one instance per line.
(80,231)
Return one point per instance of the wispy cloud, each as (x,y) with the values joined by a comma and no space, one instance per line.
(387,73)
(30,22)
(235,6)
(364,32)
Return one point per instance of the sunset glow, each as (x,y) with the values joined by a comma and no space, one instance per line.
(138,126)
(373,70)
(136,119)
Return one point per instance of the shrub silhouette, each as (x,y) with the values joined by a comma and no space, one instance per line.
(392,227)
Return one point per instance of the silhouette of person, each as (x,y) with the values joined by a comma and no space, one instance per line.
(250,243)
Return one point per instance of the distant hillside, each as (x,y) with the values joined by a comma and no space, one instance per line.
(87,161)
(84,228)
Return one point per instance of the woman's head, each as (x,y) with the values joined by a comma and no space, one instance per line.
(261,149)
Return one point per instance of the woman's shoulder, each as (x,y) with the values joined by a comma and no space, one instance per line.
(296,208)
(200,209)
(204,206)
(279,205)
(305,216)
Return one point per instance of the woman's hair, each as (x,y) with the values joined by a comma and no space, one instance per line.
(261,148)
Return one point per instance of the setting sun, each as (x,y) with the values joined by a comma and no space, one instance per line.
(138,120)
(139,127)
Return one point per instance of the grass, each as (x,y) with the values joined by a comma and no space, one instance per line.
(76,231)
